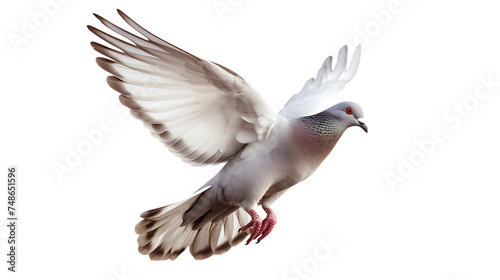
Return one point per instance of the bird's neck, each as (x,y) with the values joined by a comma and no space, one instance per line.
(316,135)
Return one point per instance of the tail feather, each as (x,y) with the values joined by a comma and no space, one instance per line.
(225,213)
(208,217)
(164,248)
(232,226)
(162,237)
(182,243)
(156,217)
(201,208)
(165,234)
(157,230)
(218,242)
(200,248)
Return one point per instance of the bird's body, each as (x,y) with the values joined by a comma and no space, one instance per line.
(247,174)
(293,151)
(205,113)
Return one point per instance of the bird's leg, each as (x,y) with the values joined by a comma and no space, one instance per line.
(268,224)
(255,223)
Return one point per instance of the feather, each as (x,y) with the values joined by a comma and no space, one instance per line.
(317,94)
(164,234)
(172,89)
(200,248)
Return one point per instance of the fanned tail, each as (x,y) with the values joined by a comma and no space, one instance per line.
(164,233)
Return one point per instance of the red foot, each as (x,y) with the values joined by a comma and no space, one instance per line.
(255,223)
(268,224)
(260,228)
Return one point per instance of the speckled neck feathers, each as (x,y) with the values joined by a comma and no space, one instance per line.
(318,134)
(323,125)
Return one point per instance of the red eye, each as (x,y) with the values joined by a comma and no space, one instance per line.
(348,110)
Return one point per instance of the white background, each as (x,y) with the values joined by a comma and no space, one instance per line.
(420,60)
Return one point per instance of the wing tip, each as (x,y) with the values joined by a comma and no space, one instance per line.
(91,28)
(105,63)
(125,17)
(120,12)
(98,16)
(116,84)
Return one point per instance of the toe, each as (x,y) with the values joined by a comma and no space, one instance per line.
(268,226)
(256,225)
(256,230)
(245,227)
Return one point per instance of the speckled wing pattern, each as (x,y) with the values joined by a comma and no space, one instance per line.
(318,93)
(202,111)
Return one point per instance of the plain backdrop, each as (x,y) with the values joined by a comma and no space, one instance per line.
(422,75)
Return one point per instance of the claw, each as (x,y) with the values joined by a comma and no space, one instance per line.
(268,224)
(255,223)
(260,228)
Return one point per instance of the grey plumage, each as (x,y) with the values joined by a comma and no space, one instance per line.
(205,113)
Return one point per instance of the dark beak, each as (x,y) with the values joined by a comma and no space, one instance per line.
(362,125)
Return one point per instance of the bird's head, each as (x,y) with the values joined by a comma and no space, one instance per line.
(348,114)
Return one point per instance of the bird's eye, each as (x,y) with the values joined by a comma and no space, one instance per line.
(348,110)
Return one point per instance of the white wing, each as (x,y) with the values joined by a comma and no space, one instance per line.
(202,111)
(317,94)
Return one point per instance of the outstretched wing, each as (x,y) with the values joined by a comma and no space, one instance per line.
(202,111)
(317,94)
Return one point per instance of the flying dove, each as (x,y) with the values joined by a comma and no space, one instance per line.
(205,113)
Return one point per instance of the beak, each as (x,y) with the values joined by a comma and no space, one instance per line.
(362,125)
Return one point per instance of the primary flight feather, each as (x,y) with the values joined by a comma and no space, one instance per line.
(205,113)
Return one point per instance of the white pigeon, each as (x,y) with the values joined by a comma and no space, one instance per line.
(205,113)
